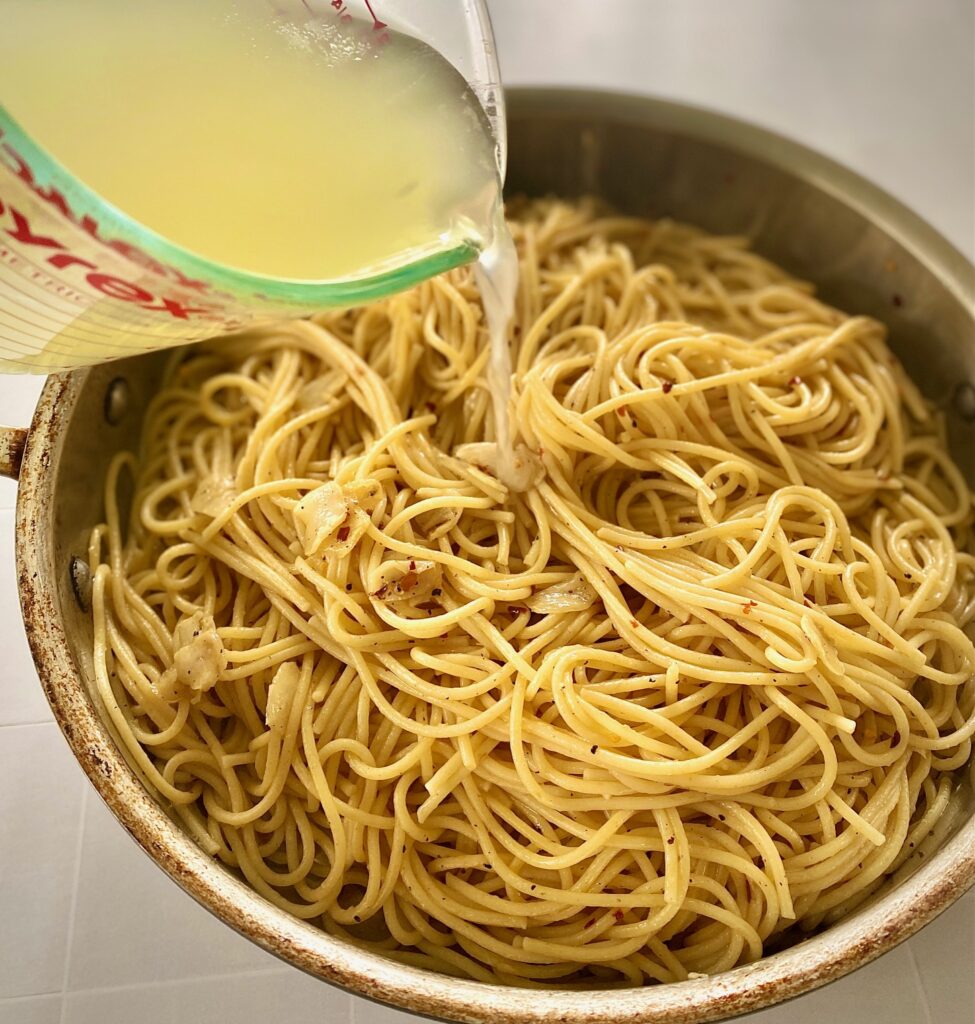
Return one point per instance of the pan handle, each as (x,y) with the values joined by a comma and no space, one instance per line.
(12,441)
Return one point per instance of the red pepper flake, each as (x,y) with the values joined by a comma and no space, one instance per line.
(436,592)
(412,566)
(668,386)
(670,840)
(622,411)
(618,914)
(634,623)
(748,606)
(381,592)
(794,382)
(343,534)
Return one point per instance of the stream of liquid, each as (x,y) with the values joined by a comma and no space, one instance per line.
(497,278)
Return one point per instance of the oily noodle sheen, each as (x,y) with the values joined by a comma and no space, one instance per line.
(699,674)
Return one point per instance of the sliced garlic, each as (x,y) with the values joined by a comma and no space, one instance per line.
(198,658)
(280,696)
(405,579)
(334,516)
(573,595)
(318,515)
(213,495)
(525,469)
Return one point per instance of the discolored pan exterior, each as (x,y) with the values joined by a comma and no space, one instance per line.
(864,251)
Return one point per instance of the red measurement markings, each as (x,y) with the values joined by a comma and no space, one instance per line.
(16,225)
(378,26)
(376,23)
(17,164)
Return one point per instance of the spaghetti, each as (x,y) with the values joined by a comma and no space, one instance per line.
(700,675)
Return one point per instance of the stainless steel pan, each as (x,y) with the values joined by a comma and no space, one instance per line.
(865,252)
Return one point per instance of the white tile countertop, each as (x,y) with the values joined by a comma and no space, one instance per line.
(91,932)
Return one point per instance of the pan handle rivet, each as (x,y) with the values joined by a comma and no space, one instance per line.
(116,400)
(81,582)
(964,400)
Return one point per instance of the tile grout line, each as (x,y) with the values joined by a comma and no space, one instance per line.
(10,1000)
(919,979)
(136,986)
(73,909)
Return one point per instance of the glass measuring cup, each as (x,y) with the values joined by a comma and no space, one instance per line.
(82,281)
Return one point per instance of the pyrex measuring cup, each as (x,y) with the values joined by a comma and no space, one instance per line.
(81,281)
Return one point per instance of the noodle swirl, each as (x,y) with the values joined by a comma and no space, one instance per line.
(705,677)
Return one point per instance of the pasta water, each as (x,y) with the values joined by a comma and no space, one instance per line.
(170,171)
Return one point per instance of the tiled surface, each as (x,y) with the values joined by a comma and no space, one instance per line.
(90,931)
(183,940)
(279,994)
(32,1010)
(943,959)
(41,796)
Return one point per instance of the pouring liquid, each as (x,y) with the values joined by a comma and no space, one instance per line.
(300,147)
(258,136)
(496,274)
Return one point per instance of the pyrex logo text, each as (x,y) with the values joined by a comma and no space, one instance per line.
(57,255)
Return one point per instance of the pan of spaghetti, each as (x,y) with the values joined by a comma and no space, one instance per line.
(670,724)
